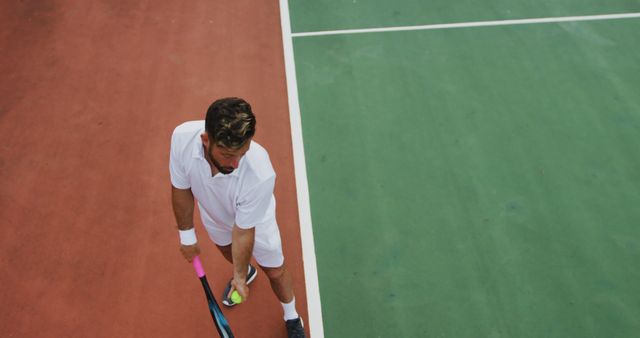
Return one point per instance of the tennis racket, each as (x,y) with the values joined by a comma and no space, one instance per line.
(218,318)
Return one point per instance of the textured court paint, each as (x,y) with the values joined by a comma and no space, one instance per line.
(90,92)
(476,182)
(319,15)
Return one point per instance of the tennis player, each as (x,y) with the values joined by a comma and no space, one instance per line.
(216,163)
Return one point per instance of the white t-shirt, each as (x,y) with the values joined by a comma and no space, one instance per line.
(243,197)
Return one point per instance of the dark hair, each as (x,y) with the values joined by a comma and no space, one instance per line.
(230,122)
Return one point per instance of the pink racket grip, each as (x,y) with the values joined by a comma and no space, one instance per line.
(198,266)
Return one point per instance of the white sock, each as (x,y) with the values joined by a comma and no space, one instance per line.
(290,310)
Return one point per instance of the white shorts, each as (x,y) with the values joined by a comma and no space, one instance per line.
(267,248)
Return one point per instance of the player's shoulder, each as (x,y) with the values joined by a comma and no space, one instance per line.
(258,162)
(189,128)
(185,138)
(187,133)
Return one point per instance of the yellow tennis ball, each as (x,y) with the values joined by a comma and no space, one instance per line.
(235,297)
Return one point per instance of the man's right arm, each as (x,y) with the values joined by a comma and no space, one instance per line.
(183,205)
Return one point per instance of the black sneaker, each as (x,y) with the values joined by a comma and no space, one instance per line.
(251,275)
(295,328)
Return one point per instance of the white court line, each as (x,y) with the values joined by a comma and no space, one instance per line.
(304,209)
(473,24)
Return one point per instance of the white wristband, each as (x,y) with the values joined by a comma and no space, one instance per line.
(188,237)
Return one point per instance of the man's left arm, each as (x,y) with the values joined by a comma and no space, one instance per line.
(252,207)
(241,251)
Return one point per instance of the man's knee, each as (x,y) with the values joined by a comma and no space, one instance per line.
(274,273)
(226,252)
(224,249)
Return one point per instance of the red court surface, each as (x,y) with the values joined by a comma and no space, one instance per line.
(89,95)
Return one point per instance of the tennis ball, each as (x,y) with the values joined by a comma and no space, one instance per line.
(235,297)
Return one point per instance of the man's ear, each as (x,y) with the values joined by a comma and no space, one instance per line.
(205,139)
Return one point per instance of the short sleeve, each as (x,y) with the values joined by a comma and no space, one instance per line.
(253,205)
(178,173)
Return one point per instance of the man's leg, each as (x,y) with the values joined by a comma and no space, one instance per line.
(226,252)
(268,253)
(282,285)
(281,282)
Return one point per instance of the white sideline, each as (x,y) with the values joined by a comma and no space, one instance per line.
(304,212)
(473,24)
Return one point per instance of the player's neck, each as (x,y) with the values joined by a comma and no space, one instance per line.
(207,157)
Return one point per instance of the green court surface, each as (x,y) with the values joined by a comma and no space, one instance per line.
(320,15)
(474,182)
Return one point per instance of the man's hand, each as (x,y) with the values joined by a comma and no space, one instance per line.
(240,286)
(190,251)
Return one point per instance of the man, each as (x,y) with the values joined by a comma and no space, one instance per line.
(216,162)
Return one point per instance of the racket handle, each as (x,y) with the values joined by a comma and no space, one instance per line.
(198,266)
